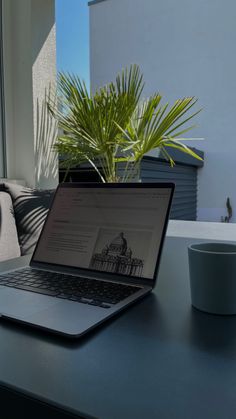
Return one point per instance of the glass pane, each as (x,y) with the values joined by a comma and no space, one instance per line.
(2,125)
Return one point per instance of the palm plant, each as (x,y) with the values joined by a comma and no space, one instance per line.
(114,126)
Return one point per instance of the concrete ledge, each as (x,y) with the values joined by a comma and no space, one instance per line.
(202,230)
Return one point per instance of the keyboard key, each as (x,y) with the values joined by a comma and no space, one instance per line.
(38,290)
(74,298)
(84,300)
(95,303)
(103,305)
(62,295)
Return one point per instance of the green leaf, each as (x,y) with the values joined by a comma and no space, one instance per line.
(114,125)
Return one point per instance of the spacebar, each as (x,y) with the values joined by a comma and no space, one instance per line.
(38,290)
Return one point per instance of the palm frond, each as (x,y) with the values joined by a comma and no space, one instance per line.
(154,126)
(114,125)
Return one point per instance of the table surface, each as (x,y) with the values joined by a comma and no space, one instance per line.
(159,359)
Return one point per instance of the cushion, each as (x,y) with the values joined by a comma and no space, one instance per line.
(9,245)
(30,209)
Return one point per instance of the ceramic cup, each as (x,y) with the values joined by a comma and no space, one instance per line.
(212,269)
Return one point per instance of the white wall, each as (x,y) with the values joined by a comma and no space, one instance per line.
(43,75)
(29,67)
(184,48)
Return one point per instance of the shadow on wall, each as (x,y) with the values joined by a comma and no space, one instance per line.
(46,159)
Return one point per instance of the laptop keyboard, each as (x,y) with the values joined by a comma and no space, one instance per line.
(69,287)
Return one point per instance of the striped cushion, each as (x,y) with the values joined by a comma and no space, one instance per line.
(9,245)
(30,209)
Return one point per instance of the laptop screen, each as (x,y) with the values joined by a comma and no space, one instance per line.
(107,229)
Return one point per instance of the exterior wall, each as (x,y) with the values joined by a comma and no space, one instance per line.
(43,75)
(183,48)
(29,66)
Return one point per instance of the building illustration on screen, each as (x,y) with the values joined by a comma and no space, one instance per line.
(117,257)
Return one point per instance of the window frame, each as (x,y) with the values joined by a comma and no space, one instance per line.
(3,159)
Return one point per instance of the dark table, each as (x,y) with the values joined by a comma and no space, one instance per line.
(159,359)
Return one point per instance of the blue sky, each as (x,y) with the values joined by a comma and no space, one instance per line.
(72,20)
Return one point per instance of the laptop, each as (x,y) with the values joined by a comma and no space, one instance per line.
(98,252)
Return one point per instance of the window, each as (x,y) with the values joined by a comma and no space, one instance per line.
(2,117)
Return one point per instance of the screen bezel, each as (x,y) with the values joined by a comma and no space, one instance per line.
(101,274)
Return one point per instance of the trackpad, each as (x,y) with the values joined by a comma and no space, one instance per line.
(18,303)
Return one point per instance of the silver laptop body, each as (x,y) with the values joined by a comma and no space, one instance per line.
(111,233)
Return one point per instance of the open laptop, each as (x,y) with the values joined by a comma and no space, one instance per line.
(98,252)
